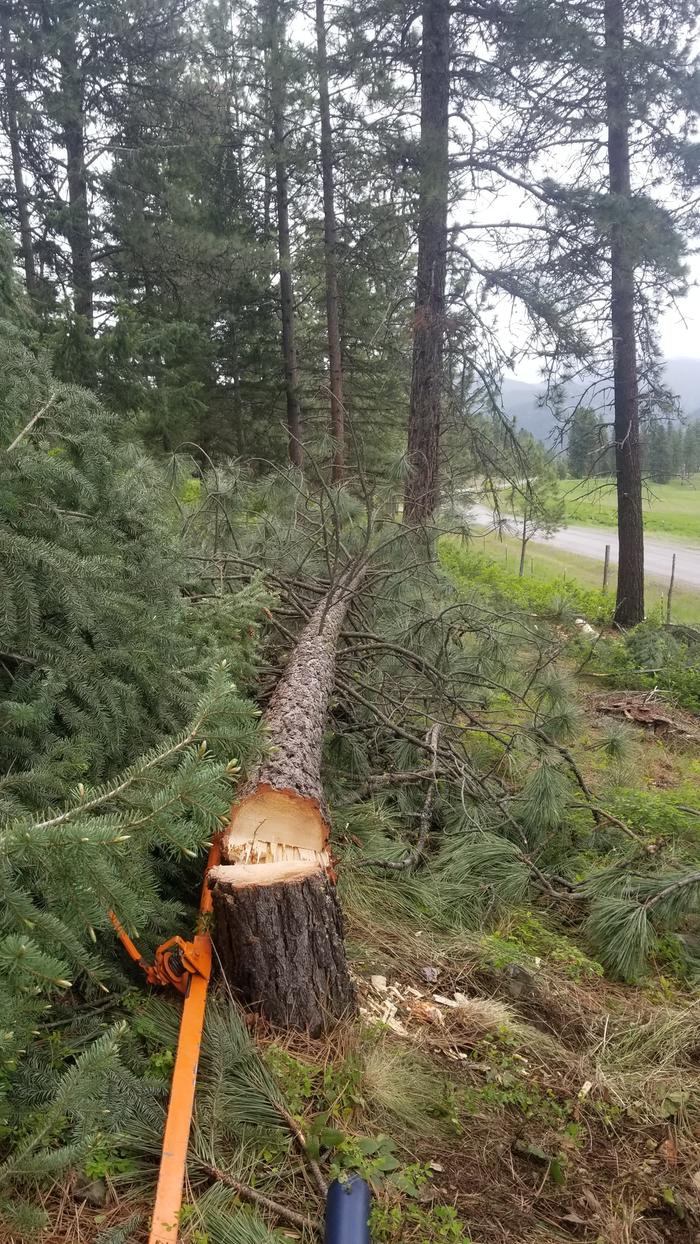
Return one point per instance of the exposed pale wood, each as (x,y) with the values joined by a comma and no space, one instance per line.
(235,876)
(268,823)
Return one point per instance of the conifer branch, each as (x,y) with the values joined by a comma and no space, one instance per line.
(692,879)
(35,419)
(411,858)
(113,792)
(300,1138)
(246,1193)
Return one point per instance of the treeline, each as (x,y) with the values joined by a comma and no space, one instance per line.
(285,235)
(667,450)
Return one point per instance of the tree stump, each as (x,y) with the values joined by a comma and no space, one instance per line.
(280,939)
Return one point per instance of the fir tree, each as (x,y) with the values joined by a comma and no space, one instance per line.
(121,722)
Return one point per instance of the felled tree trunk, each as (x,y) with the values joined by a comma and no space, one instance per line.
(278,924)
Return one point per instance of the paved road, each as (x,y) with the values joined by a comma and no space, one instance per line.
(591,542)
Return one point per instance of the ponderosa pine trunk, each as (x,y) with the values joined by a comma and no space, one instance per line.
(629,607)
(21,195)
(330,251)
(278,924)
(278,95)
(421,492)
(78,229)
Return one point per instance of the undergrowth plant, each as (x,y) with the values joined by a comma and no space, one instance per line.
(558,599)
(653,657)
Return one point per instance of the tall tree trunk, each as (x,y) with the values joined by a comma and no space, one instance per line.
(421,493)
(78,230)
(289,348)
(330,245)
(629,608)
(278,925)
(21,195)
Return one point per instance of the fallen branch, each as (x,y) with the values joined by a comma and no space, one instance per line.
(379,781)
(254,1197)
(601,815)
(692,879)
(300,1138)
(28,427)
(412,857)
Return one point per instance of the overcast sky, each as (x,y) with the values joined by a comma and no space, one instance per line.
(679,331)
(680,327)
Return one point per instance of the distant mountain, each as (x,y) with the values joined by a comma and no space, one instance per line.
(520,399)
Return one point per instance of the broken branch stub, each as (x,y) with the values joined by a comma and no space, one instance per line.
(278,924)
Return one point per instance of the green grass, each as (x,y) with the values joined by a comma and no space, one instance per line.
(669,509)
(548,563)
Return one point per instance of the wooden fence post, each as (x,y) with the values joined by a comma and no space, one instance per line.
(606,567)
(670,589)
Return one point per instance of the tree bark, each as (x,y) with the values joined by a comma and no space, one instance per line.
(78,230)
(278,925)
(21,195)
(629,608)
(330,250)
(289,348)
(421,492)
(282,949)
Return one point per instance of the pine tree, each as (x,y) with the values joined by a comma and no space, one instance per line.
(330,249)
(660,453)
(629,608)
(691,447)
(16,154)
(422,487)
(628,67)
(587,446)
(677,451)
(275,24)
(192,346)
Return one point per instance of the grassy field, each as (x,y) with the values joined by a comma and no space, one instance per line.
(669,509)
(549,563)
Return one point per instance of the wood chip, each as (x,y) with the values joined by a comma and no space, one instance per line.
(426,1013)
(668,1150)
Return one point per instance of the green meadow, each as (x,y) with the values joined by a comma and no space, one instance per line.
(669,509)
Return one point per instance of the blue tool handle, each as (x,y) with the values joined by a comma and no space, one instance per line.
(347,1211)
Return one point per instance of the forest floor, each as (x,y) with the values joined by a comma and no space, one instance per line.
(494,1087)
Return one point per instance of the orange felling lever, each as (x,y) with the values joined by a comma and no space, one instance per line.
(187,967)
